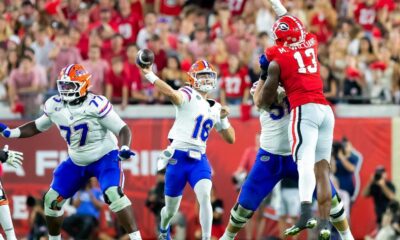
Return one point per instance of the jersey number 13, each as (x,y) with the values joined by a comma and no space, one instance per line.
(310,53)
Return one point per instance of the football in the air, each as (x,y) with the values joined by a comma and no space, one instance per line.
(144,58)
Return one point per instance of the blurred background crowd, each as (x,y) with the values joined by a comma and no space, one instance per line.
(359,46)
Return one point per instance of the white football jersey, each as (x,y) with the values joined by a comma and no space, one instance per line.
(88,128)
(274,129)
(194,120)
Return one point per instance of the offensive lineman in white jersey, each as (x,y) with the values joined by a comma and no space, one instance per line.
(185,158)
(88,124)
(274,162)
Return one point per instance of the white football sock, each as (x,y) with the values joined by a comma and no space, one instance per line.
(203,194)
(6,222)
(346,235)
(307,181)
(169,210)
(135,236)
(228,235)
(58,237)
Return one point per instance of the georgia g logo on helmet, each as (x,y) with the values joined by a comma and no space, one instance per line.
(283,26)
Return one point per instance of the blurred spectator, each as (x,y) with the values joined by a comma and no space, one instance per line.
(381,190)
(27,17)
(168,7)
(223,26)
(390,222)
(200,44)
(134,77)
(24,89)
(127,21)
(98,68)
(365,13)
(5,30)
(102,6)
(38,69)
(88,202)
(103,25)
(218,227)
(346,165)
(331,84)
(385,74)
(239,34)
(235,83)
(82,28)
(172,73)
(353,83)
(117,83)
(323,20)
(219,57)
(62,55)
(160,56)
(37,219)
(113,49)
(149,29)
(42,47)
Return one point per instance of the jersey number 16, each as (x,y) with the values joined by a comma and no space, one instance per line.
(202,127)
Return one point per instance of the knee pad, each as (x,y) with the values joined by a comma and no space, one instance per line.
(337,212)
(53,204)
(240,216)
(116,199)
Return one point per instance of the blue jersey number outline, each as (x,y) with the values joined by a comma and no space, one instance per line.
(277,112)
(205,127)
(80,127)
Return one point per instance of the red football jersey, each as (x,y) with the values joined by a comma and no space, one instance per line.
(299,71)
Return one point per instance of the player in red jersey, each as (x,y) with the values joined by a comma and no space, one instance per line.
(292,62)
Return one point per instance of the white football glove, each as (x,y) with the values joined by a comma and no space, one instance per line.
(281,94)
(14,158)
(164,158)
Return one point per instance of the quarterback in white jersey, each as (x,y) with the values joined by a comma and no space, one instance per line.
(89,125)
(185,158)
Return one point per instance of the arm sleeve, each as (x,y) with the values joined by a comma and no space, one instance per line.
(43,123)
(112,122)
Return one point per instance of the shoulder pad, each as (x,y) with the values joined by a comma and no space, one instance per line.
(52,104)
(188,91)
(271,53)
(98,105)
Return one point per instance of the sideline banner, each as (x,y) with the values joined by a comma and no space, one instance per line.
(370,137)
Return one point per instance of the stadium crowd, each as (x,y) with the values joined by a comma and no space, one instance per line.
(359,46)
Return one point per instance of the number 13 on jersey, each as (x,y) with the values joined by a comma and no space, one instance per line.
(310,53)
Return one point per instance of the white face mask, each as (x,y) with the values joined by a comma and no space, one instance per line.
(205,81)
(69,90)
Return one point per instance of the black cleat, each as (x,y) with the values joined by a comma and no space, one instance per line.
(298,227)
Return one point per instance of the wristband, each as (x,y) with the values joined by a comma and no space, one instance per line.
(263,74)
(225,123)
(125,148)
(151,77)
(12,133)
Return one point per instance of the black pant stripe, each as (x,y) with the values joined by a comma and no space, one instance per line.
(298,133)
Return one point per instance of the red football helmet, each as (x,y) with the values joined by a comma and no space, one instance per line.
(288,30)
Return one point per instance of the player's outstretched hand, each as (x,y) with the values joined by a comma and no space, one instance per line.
(14,158)
(281,94)
(225,111)
(125,153)
(4,130)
